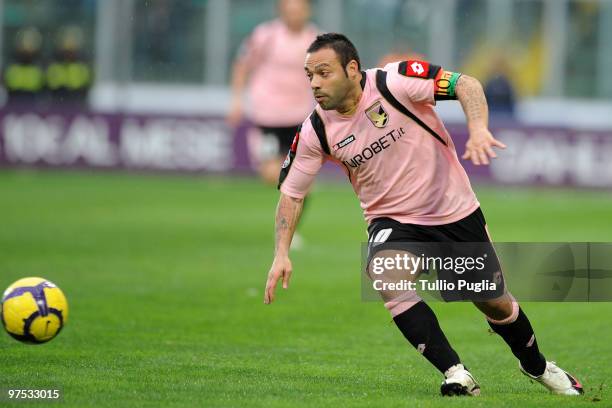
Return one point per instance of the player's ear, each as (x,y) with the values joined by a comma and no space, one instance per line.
(352,69)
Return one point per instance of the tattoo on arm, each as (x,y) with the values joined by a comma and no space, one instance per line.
(473,100)
(287,215)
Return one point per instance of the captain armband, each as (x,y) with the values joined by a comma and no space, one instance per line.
(445,85)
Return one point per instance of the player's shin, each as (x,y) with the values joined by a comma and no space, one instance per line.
(420,326)
(517,332)
(411,314)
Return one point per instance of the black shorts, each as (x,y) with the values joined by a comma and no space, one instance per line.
(466,238)
(283,135)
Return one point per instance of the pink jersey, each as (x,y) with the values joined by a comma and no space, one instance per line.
(278,90)
(397,168)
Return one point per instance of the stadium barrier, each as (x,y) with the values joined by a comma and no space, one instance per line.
(204,144)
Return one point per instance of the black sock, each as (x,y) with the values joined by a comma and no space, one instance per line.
(420,327)
(521,339)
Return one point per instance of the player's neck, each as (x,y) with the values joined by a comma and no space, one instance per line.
(295,28)
(349,107)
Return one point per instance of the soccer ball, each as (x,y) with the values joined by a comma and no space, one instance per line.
(33,310)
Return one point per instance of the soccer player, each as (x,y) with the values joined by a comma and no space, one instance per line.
(381,127)
(270,66)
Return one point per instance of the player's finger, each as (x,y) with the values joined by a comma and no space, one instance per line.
(269,298)
(270,286)
(267,293)
(286,277)
(474,157)
(466,155)
(483,157)
(490,152)
(499,144)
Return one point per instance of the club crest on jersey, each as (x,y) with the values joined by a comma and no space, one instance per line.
(377,115)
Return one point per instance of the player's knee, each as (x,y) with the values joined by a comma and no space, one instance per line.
(402,303)
(392,274)
(393,265)
(503,310)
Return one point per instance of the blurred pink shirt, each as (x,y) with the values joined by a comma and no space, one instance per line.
(399,170)
(278,88)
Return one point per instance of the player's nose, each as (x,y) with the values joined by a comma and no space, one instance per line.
(315,84)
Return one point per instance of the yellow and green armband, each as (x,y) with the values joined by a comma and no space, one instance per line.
(445,84)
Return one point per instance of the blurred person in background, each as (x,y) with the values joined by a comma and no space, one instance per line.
(270,64)
(500,91)
(23,77)
(69,76)
(398,55)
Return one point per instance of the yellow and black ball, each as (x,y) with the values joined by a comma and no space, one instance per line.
(33,310)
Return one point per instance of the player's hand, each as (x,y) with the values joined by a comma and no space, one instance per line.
(281,267)
(234,116)
(479,147)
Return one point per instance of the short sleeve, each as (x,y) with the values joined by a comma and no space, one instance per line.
(252,49)
(302,163)
(422,82)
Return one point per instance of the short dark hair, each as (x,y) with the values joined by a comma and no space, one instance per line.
(342,46)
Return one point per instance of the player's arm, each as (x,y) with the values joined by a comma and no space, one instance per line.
(479,147)
(240,74)
(298,172)
(288,214)
(247,59)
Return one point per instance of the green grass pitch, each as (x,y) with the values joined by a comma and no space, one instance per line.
(165,275)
